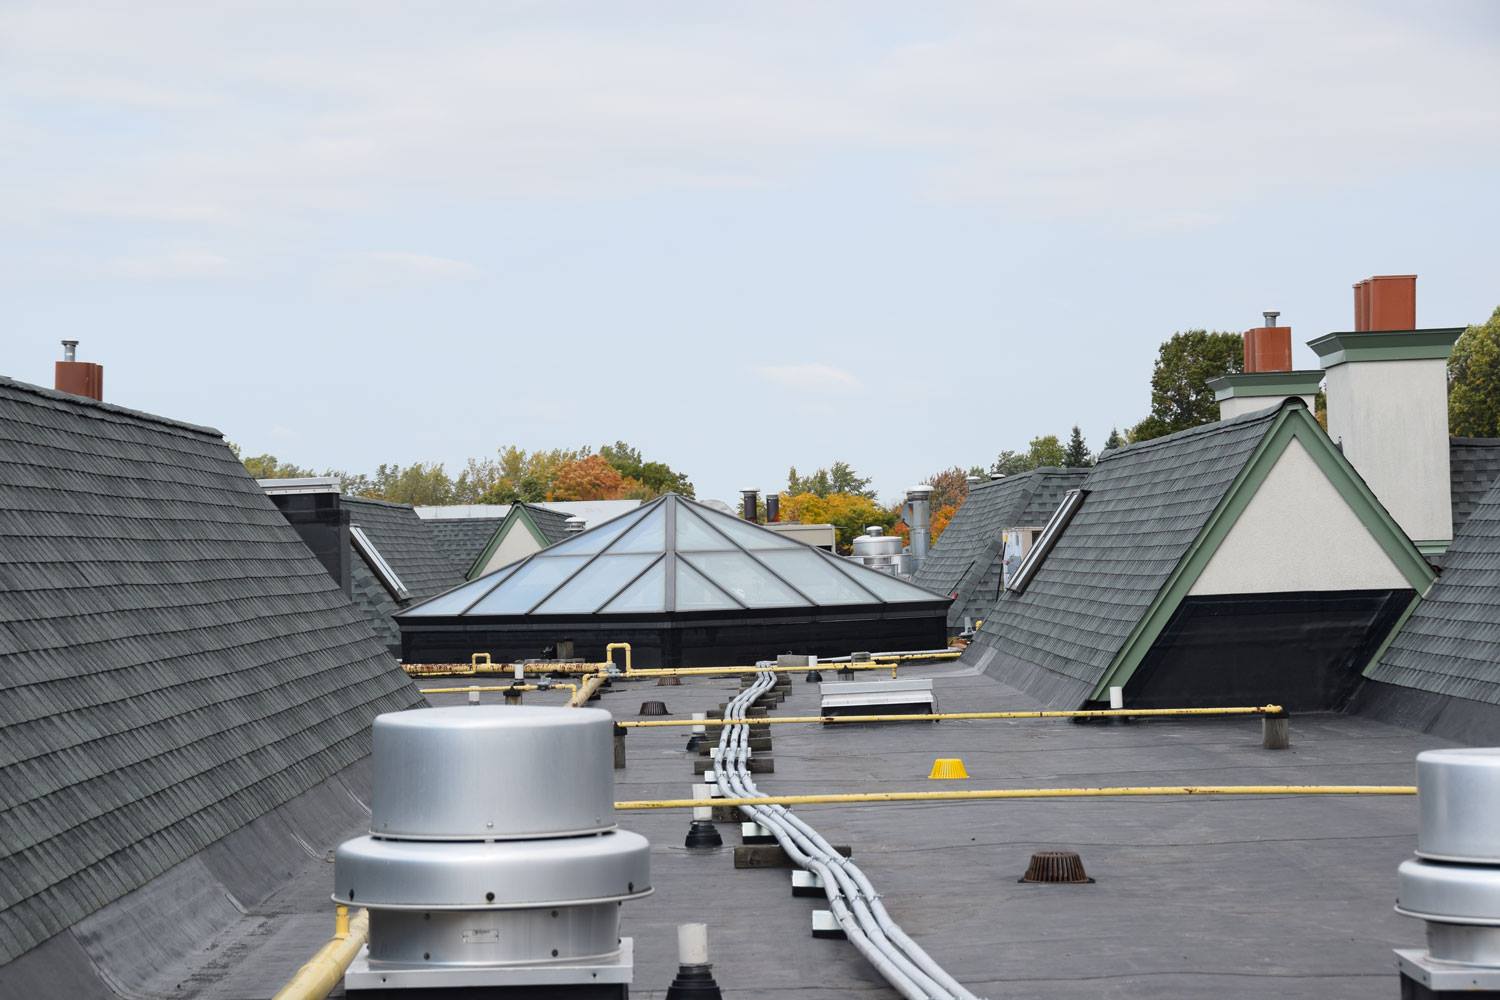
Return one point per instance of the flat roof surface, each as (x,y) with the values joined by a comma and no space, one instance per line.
(1229,897)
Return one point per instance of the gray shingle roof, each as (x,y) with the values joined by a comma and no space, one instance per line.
(460,540)
(174,662)
(966,560)
(408,543)
(1474,466)
(1451,643)
(1146,504)
(549,522)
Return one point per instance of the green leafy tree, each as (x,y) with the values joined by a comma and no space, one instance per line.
(1044,450)
(269,466)
(655,478)
(840,477)
(418,483)
(1180,396)
(1474,381)
(1077,454)
(950,488)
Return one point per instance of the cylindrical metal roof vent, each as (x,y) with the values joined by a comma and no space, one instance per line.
(492,852)
(70,350)
(1454,883)
(574,525)
(919,522)
(750,505)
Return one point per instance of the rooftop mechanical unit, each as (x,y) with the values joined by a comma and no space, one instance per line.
(1454,881)
(493,861)
(900,697)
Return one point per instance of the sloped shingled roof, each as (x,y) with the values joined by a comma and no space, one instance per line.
(551,523)
(1451,643)
(1474,466)
(1146,504)
(408,544)
(174,662)
(966,562)
(460,540)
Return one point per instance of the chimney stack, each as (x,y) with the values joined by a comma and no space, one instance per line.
(1268,378)
(773,508)
(81,378)
(1388,405)
(750,505)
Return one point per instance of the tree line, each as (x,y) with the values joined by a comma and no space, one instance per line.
(614,472)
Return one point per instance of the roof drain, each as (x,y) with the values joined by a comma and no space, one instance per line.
(492,877)
(851,897)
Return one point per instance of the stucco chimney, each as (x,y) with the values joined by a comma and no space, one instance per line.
(1268,377)
(81,378)
(1387,387)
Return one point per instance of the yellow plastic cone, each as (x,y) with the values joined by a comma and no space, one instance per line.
(948,767)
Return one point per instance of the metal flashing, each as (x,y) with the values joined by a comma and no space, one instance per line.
(1385,345)
(1256,384)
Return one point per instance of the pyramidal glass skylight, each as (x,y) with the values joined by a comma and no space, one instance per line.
(672,555)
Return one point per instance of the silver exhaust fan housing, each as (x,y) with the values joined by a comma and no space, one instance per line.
(493,858)
(1453,884)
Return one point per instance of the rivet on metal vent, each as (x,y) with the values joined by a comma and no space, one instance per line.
(653,708)
(1056,866)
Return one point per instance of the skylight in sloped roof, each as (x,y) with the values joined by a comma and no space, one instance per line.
(672,555)
(383,570)
(1056,525)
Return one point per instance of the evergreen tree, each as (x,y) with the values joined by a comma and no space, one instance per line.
(1077,455)
(1115,439)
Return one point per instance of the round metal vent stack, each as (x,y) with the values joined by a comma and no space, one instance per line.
(492,859)
(1454,882)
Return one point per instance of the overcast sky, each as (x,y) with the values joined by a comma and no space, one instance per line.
(741,236)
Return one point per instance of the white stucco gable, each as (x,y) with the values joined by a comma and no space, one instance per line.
(1298,534)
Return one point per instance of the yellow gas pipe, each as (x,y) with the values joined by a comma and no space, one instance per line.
(1101,713)
(321,973)
(850,798)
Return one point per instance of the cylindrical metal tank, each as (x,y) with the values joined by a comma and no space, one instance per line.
(1459,803)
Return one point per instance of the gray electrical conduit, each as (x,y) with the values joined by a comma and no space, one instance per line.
(867,924)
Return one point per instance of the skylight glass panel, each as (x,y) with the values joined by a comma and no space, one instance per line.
(811,574)
(751,583)
(695,536)
(649,534)
(885,586)
(694,593)
(383,569)
(1071,501)
(454,602)
(596,584)
(648,594)
(528,585)
(748,535)
(595,539)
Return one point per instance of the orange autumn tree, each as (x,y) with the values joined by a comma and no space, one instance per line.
(589,478)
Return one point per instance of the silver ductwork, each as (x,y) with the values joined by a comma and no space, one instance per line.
(919,520)
(493,859)
(1454,881)
(574,525)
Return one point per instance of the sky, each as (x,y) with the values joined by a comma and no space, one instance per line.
(741,236)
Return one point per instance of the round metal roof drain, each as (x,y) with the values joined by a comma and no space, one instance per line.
(492,850)
(1064,867)
(654,708)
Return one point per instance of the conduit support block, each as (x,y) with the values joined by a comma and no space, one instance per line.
(772,856)
(755,765)
(1275,732)
(807,885)
(826,925)
(753,833)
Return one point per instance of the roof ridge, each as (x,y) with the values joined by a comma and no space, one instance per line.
(86,402)
(1202,430)
(376,500)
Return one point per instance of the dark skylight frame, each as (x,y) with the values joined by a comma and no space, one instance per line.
(1056,525)
(383,570)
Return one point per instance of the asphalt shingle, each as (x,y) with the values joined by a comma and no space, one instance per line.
(174,662)
(1474,466)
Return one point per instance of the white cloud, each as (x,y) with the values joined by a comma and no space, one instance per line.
(383,267)
(177,265)
(810,377)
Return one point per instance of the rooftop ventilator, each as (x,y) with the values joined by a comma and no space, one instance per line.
(493,860)
(1454,881)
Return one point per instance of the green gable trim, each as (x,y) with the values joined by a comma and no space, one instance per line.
(518,514)
(1293,422)
(1385,345)
(1433,546)
(1255,384)
(1391,636)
